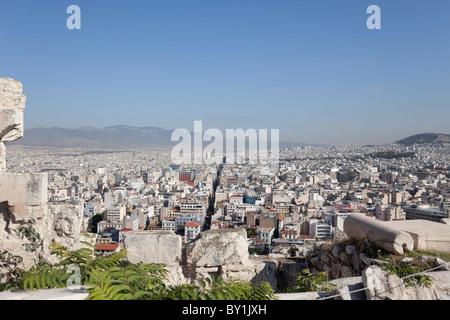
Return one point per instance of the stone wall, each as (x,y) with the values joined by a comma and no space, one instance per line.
(341,261)
(23,195)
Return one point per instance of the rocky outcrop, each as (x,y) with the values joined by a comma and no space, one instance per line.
(23,196)
(382,285)
(216,248)
(12,104)
(216,253)
(153,247)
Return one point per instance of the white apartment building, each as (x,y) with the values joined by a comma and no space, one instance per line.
(235,199)
(102,225)
(266,235)
(131,222)
(191,231)
(115,213)
(198,208)
(168,224)
(320,229)
(182,219)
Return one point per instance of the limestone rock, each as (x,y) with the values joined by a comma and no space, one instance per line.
(381,285)
(153,247)
(264,270)
(365,258)
(2,156)
(23,189)
(66,219)
(348,289)
(12,103)
(11,94)
(336,251)
(358,226)
(218,247)
(21,214)
(427,235)
(11,124)
(350,249)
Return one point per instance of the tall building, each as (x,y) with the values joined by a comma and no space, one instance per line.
(193,207)
(389,212)
(115,213)
(425,213)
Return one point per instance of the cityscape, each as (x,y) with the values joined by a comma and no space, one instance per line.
(239,151)
(313,192)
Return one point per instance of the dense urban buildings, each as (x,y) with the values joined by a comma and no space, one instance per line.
(306,202)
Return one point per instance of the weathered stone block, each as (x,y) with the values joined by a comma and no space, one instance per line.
(343,257)
(153,247)
(11,124)
(350,249)
(66,218)
(358,226)
(365,258)
(21,214)
(335,251)
(335,270)
(324,258)
(11,94)
(24,189)
(381,285)
(427,235)
(218,247)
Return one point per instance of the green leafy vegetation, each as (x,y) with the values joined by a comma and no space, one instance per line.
(409,272)
(112,277)
(306,281)
(259,250)
(437,254)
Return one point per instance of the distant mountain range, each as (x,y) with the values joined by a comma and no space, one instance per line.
(433,138)
(123,136)
(91,137)
(114,137)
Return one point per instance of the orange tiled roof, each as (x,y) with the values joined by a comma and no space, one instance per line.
(106,247)
(192,224)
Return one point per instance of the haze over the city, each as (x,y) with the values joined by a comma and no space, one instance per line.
(311,69)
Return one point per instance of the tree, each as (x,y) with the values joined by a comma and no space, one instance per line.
(94,221)
(180,230)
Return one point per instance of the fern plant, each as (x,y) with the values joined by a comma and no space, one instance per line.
(112,277)
(216,288)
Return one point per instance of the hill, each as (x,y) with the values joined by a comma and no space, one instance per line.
(423,138)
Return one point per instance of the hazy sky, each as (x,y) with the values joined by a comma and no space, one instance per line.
(309,68)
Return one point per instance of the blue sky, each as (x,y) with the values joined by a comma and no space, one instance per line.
(309,68)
